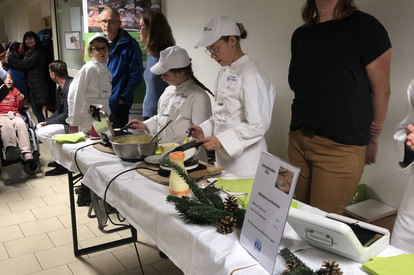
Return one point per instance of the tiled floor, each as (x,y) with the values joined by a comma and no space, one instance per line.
(36,236)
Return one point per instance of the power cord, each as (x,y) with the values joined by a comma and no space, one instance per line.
(76,153)
(109,184)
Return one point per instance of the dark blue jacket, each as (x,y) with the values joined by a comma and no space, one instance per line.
(61,113)
(125,64)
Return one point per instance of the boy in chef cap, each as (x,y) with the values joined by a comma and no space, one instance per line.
(92,85)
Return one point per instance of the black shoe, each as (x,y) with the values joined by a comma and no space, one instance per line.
(111,210)
(52,164)
(162,255)
(84,199)
(59,170)
(12,153)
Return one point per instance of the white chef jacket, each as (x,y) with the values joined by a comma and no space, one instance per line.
(185,104)
(3,73)
(401,134)
(402,234)
(242,112)
(92,85)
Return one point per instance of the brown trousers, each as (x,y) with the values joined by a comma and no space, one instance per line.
(330,171)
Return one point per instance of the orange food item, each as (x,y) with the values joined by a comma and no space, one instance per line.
(176,155)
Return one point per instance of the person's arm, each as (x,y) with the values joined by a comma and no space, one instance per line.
(61,117)
(379,77)
(134,74)
(3,73)
(76,97)
(257,96)
(135,124)
(201,108)
(401,133)
(20,100)
(25,65)
(410,136)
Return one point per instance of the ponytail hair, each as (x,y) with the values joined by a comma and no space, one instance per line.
(189,72)
(243,33)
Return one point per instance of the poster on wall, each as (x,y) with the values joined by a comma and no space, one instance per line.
(129,11)
(72,40)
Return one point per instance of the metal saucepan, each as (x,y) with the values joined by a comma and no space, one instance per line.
(134,147)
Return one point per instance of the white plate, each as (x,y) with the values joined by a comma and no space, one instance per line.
(154,159)
(186,168)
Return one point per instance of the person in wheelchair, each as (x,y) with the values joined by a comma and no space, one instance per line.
(14,132)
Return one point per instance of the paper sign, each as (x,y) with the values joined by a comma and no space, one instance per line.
(266,214)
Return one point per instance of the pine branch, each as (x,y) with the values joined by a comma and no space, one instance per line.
(215,200)
(206,209)
(239,216)
(289,257)
(182,205)
(198,193)
(302,270)
(208,213)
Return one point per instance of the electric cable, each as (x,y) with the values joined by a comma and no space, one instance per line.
(109,184)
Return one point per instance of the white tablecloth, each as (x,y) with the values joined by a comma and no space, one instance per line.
(194,249)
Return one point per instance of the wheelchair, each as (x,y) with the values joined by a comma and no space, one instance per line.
(30,167)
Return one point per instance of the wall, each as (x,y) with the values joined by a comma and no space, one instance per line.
(20,16)
(270,24)
(73,58)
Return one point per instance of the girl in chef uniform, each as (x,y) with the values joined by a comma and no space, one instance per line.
(185,101)
(92,85)
(243,101)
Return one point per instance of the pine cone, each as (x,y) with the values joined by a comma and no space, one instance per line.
(227,225)
(329,268)
(230,204)
(291,264)
(290,267)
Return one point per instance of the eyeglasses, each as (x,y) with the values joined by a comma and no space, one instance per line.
(98,50)
(139,27)
(109,22)
(213,51)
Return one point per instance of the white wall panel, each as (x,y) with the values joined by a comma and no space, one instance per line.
(270,24)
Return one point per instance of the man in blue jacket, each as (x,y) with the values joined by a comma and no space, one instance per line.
(125,64)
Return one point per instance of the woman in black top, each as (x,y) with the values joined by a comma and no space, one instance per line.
(340,74)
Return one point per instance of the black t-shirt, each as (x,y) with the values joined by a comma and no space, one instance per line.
(327,74)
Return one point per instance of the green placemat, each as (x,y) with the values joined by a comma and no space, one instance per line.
(400,264)
(241,186)
(237,186)
(69,138)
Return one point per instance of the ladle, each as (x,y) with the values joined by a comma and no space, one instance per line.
(160,130)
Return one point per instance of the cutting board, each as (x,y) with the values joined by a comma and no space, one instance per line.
(153,174)
(104,149)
